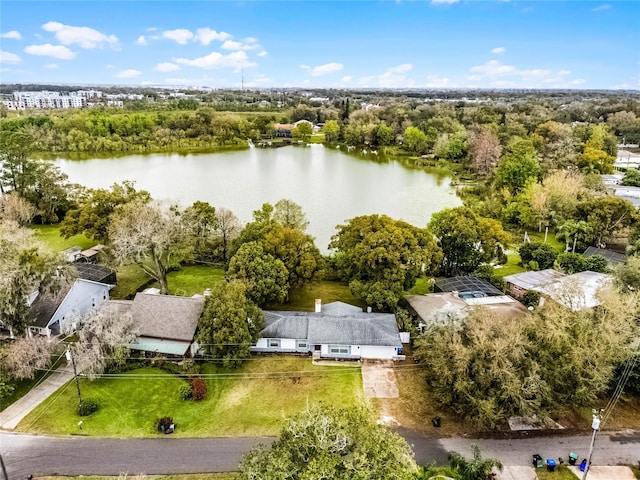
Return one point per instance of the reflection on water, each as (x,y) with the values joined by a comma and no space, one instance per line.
(330,185)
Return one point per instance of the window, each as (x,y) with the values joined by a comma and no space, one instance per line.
(340,349)
(301,344)
(273,343)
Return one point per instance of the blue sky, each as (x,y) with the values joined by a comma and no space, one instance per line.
(376,44)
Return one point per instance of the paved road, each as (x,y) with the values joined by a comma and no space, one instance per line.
(41,455)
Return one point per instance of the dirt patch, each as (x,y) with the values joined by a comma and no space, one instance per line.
(379,379)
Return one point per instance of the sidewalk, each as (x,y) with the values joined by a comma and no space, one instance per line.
(595,473)
(11,416)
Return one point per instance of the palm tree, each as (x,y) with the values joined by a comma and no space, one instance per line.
(475,469)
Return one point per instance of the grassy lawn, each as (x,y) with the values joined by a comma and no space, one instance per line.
(421,287)
(22,387)
(193,279)
(131,278)
(416,405)
(636,471)
(551,240)
(316,138)
(303,299)
(50,235)
(247,401)
(561,473)
(511,267)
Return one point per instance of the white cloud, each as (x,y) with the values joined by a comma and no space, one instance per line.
(47,50)
(51,66)
(147,83)
(499,50)
(405,67)
(326,69)
(443,2)
(142,40)
(500,75)
(233,60)
(85,37)
(13,34)
(601,8)
(205,36)
(179,35)
(493,68)
(305,67)
(393,77)
(346,79)
(263,53)
(577,81)
(433,81)
(248,44)
(130,73)
(7,57)
(165,67)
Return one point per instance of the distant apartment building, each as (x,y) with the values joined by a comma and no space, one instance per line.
(44,100)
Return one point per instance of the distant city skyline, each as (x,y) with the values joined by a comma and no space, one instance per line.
(358,44)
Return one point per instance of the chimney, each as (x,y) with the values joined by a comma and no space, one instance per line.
(318,305)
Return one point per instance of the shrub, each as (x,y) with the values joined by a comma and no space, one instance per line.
(596,263)
(186,392)
(531,299)
(544,255)
(163,423)
(571,263)
(198,389)
(190,367)
(87,407)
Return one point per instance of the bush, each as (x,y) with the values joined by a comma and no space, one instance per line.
(531,299)
(543,254)
(198,389)
(190,367)
(87,407)
(162,424)
(186,392)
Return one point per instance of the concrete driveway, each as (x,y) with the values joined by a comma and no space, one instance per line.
(379,379)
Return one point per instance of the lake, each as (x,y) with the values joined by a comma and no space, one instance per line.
(331,186)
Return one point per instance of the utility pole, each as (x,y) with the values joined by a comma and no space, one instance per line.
(69,356)
(596,426)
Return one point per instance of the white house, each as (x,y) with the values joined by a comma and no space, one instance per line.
(61,312)
(575,291)
(337,331)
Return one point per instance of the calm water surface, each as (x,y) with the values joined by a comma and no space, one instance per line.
(331,186)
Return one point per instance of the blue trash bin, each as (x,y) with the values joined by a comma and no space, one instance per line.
(551,465)
(583,465)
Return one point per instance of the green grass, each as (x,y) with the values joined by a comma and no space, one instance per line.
(193,279)
(551,240)
(421,287)
(303,299)
(316,138)
(252,400)
(636,471)
(131,279)
(561,473)
(50,235)
(511,267)
(22,387)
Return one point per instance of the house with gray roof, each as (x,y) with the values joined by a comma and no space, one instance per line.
(334,331)
(62,311)
(575,291)
(165,324)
